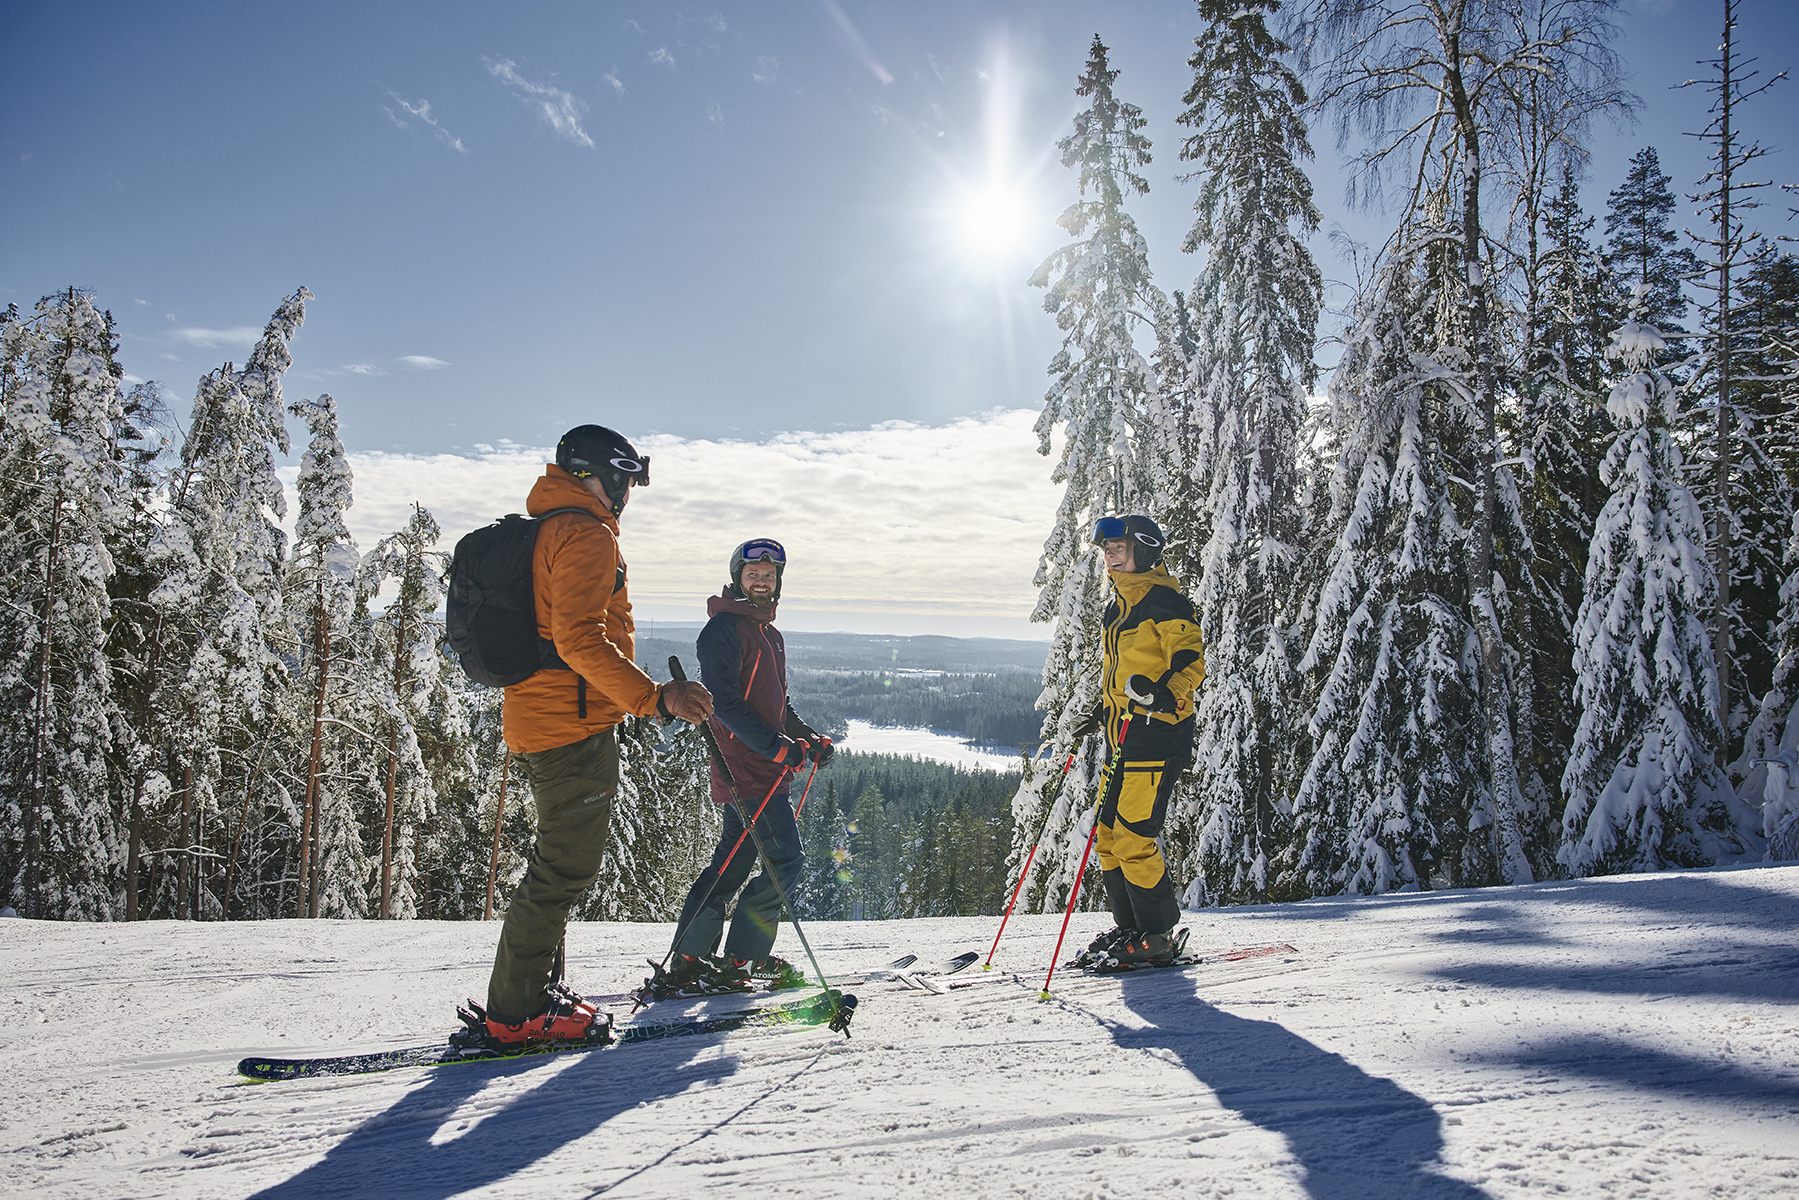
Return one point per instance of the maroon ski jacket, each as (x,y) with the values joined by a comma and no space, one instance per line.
(743,663)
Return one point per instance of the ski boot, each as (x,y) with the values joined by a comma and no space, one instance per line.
(693,975)
(771,972)
(1100,948)
(566,1022)
(1144,950)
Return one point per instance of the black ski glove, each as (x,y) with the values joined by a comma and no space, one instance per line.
(822,752)
(1153,696)
(1090,724)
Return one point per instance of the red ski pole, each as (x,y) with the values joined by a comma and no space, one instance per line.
(1074,893)
(806,791)
(1023,874)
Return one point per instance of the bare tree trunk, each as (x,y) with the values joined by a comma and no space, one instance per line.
(306,904)
(1721,529)
(185,864)
(393,756)
(499,814)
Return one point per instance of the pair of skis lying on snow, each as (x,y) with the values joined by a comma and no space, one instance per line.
(808,1011)
(812,1010)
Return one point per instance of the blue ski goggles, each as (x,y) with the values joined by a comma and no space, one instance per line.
(765,550)
(1108,529)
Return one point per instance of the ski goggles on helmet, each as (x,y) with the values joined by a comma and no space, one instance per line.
(1108,529)
(764,550)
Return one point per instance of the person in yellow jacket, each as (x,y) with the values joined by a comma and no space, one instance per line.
(1154,661)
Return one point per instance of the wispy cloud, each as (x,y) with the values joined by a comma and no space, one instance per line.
(766,69)
(715,113)
(421,112)
(662,58)
(361,369)
(871,518)
(560,109)
(211,339)
(716,22)
(423,362)
(612,78)
(633,26)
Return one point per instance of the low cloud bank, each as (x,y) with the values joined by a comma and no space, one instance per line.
(925,521)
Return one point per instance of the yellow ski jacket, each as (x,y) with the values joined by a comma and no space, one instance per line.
(1149,628)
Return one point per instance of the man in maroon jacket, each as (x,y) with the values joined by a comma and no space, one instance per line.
(743,664)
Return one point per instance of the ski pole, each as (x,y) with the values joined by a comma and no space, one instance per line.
(1074,893)
(1025,872)
(806,791)
(718,875)
(840,1012)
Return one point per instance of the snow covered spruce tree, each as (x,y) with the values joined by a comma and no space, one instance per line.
(406,688)
(61,479)
(1115,456)
(338,723)
(1745,496)
(1393,770)
(1255,316)
(1427,82)
(1562,434)
(207,660)
(1642,788)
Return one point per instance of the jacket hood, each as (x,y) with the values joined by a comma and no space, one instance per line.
(725,602)
(558,489)
(1134,585)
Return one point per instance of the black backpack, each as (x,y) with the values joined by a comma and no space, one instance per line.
(490,613)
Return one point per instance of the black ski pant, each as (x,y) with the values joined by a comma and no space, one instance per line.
(1138,887)
(573,787)
(758,913)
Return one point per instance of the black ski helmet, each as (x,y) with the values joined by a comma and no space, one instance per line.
(594,450)
(1144,535)
(757,550)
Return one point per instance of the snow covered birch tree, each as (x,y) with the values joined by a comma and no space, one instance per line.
(61,473)
(1641,779)
(1115,430)
(1255,307)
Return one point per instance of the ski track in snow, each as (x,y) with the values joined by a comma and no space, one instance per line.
(1629,1036)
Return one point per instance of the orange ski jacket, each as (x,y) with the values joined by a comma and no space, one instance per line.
(583,607)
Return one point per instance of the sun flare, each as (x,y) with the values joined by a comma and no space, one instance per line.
(991,221)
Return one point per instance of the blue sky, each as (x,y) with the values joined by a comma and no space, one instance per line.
(726,223)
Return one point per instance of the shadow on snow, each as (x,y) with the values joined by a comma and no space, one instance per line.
(1355,1135)
(398,1154)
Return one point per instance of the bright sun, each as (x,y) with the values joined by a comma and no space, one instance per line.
(991,221)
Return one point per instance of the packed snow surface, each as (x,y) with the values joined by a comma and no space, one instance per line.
(1629,1036)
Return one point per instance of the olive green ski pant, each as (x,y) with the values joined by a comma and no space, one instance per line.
(573,787)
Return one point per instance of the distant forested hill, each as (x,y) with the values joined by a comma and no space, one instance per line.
(983,689)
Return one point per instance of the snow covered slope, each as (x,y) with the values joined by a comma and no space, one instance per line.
(1631,1036)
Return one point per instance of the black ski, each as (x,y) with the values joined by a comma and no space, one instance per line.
(825,1008)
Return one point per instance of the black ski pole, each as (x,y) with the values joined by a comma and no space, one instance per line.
(681,932)
(842,1007)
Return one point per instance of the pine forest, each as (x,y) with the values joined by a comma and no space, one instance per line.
(1498,581)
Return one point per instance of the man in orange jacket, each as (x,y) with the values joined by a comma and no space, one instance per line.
(559,725)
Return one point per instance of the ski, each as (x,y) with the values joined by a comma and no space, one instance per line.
(925,978)
(833,1008)
(1182,959)
(755,984)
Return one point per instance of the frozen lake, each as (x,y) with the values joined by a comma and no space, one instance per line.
(864,738)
